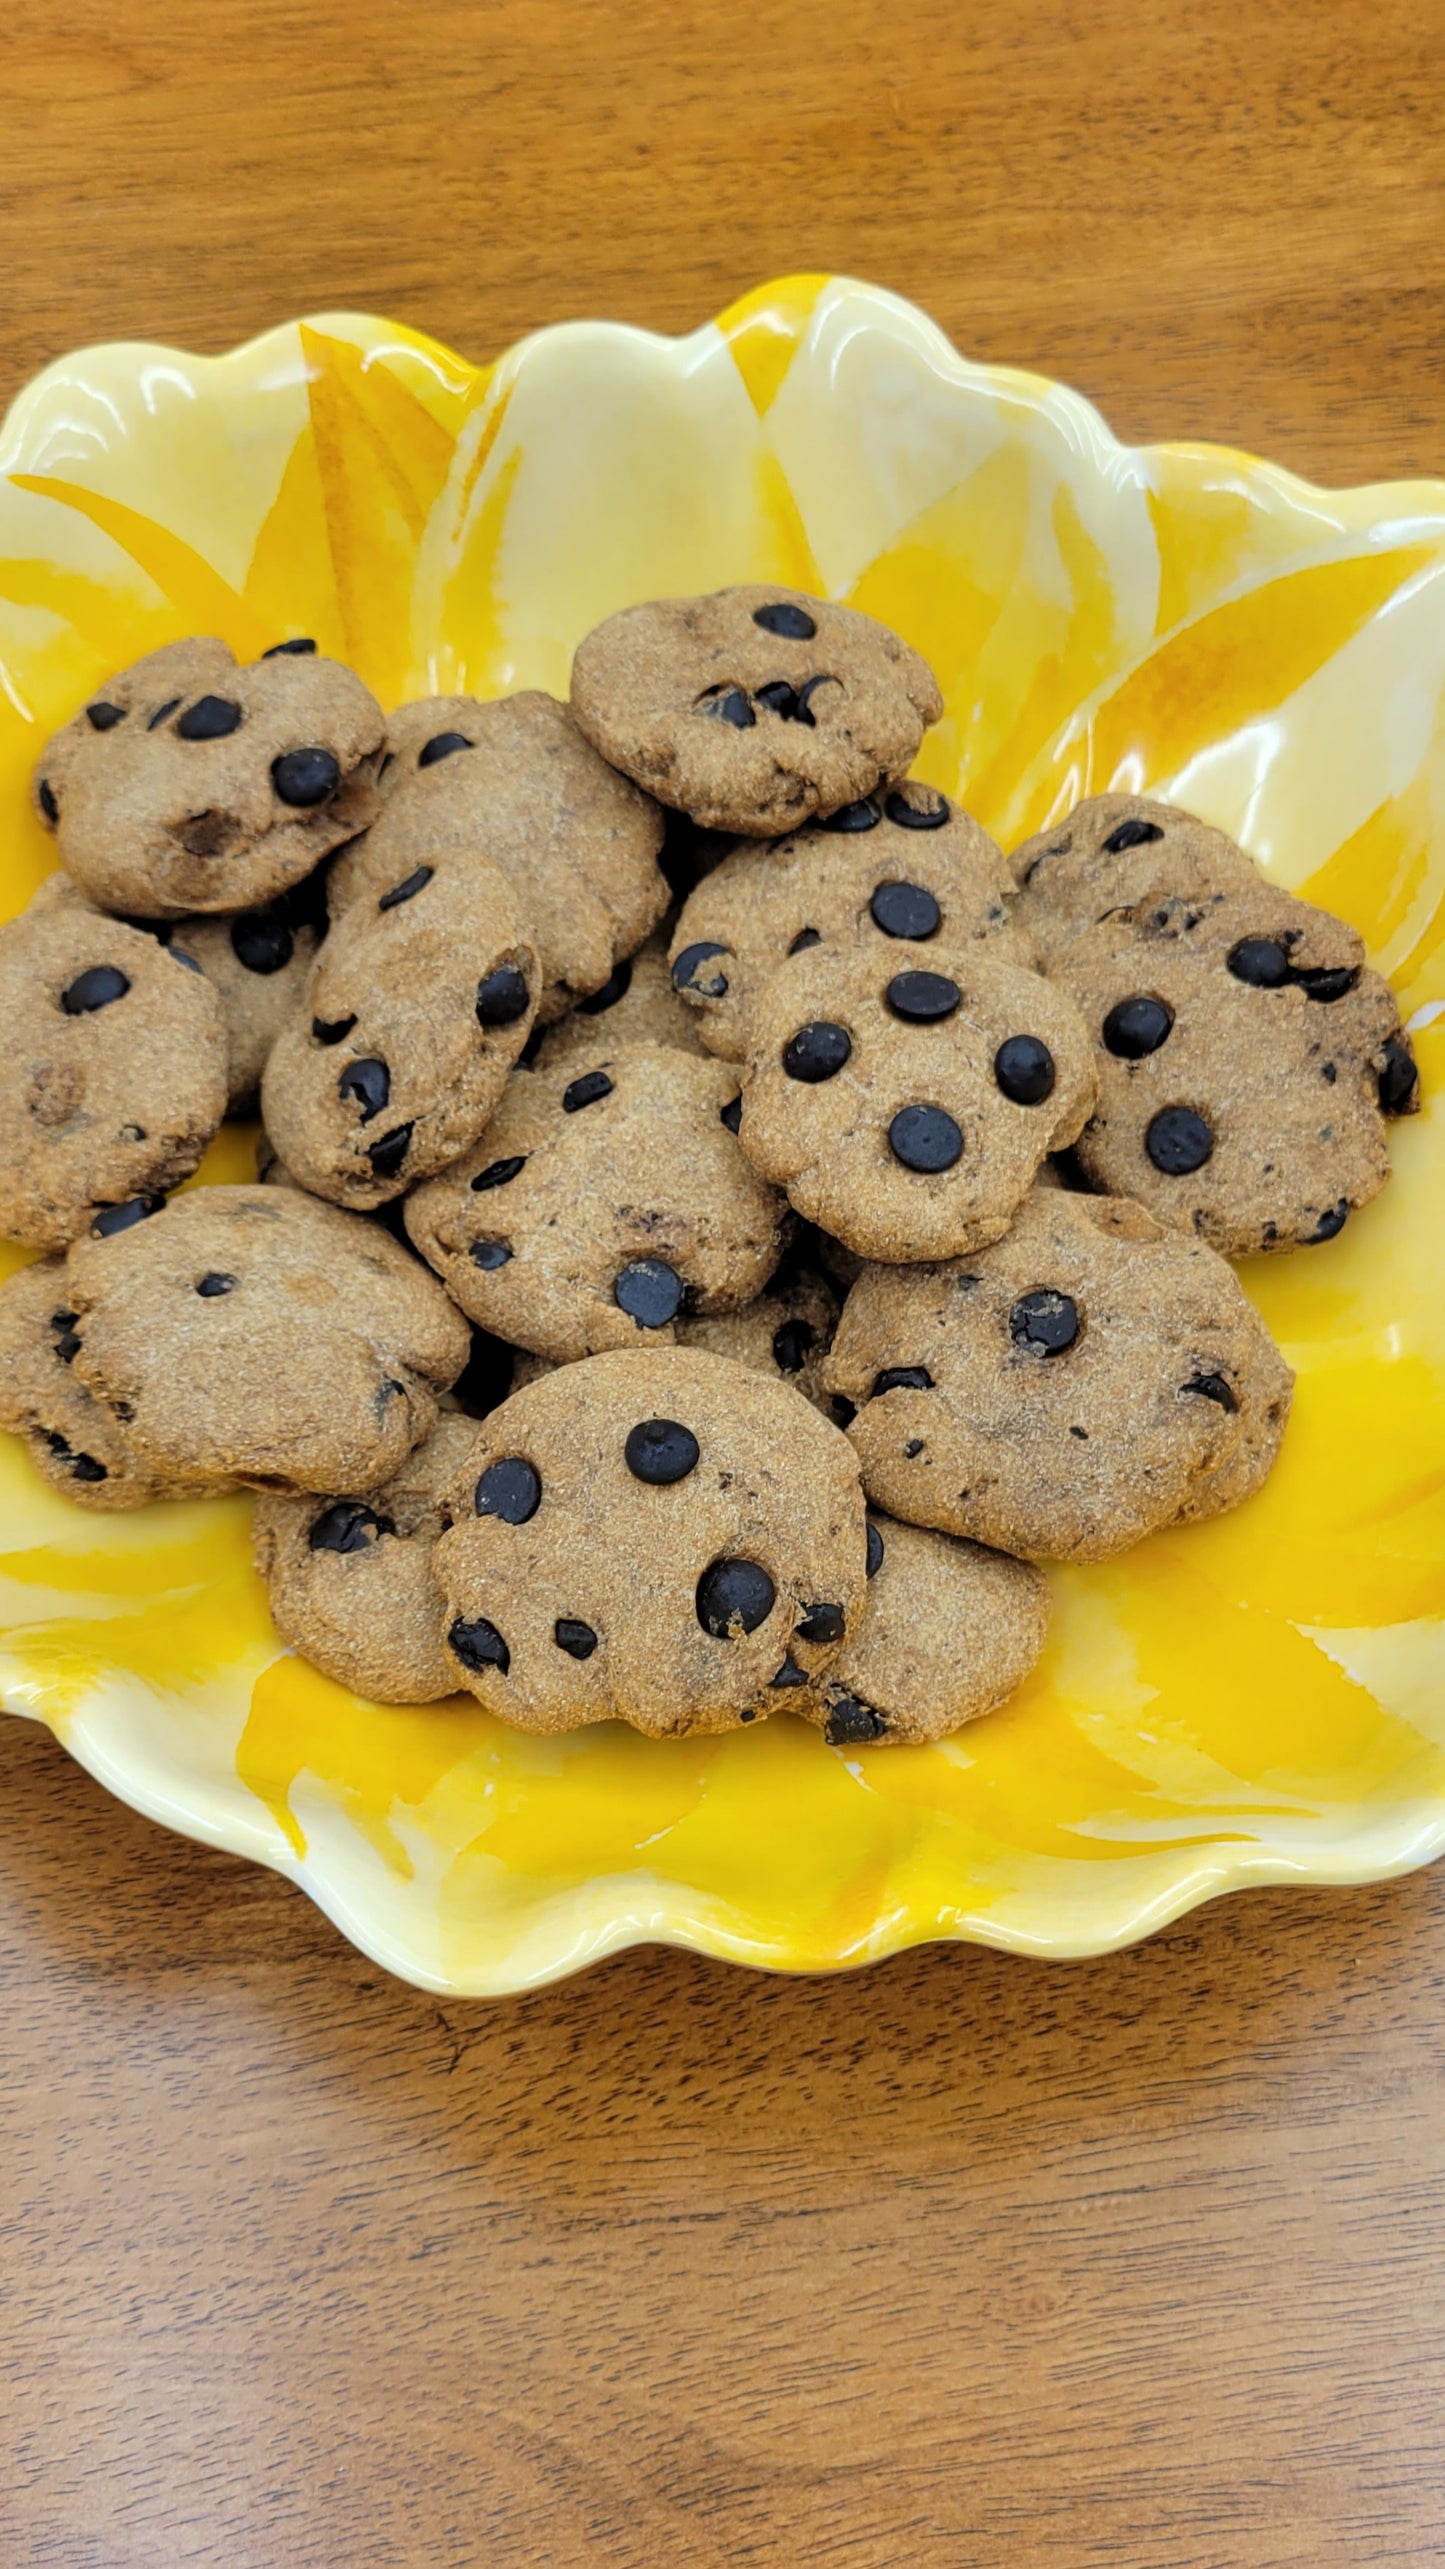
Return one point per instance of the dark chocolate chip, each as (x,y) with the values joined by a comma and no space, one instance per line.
(850,1722)
(261,942)
(732,1115)
(916,816)
(213,1284)
(48,803)
(1128,834)
(1329,1072)
(794,624)
(792,1340)
(805,938)
(478,1645)
(300,647)
(922,998)
(162,713)
(816,1052)
(348,1526)
(901,1378)
(408,889)
(824,1622)
(790,1674)
(330,1030)
(179,955)
(1328,982)
(649,1291)
(906,910)
(124,1217)
(661,1451)
(503,997)
(615,987)
(1261,962)
(875,1550)
(1044,1321)
(1212,1387)
(499,1173)
(1399,1078)
(94,988)
(510,1489)
(728,705)
(586,1091)
(67,1337)
(577,1639)
(925,1138)
(850,817)
(103,717)
(305,777)
(807,692)
(734,1595)
(489,1255)
(1024,1070)
(1178,1141)
(209,718)
(368,1082)
(779,698)
(81,1467)
(442,744)
(1330,1224)
(913,1447)
(688,973)
(1137,1026)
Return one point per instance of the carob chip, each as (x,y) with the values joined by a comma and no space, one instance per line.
(502,998)
(577,1639)
(408,889)
(916,816)
(1399,1078)
(123,1217)
(850,1722)
(348,1526)
(817,1052)
(1178,1141)
(499,1173)
(1023,1068)
(489,1255)
(213,1284)
(906,910)
(1128,834)
(261,942)
(209,718)
(103,717)
(649,1291)
(442,744)
(925,1139)
(387,1154)
(688,972)
(510,1489)
(299,647)
(368,1083)
(305,777)
(97,987)
(478,1645)
(586,1091)
(822,1622)
(782,617)
(901,1378)
(1212,1387)
(1261,962)
(734,1592)
(1045,1322)
(660,1451)
(875,1550)
(923,998)
(615,987)
(1136,1027)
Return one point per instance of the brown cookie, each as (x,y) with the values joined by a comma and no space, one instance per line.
(256,963)
(78,1445)
(251,1332)
(1246,1059)
(112,1068)
(904,1095)
(1064,1392)
(947,1632)
(351,1582)
(637,1004)
(663,1538)
(190,783)
(415,1010)
(514,783)
(753,709)
(600,1202)
(1112,852)
(907,863)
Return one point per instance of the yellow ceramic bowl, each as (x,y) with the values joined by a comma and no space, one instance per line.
(1258,1699)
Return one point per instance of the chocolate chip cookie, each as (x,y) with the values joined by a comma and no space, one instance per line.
(1110,854)
(601,1202)
(903,864)
(637,1004)
(905,1094)
(252,1333)
(415,1010)
(112,1069)
(515,784)
(190,783)
(753,709)
(351,1582)
(1065,1392)
(660,1537)
(947,1631)
(78,1445)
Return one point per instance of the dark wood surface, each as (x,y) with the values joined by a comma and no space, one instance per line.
(965,2261)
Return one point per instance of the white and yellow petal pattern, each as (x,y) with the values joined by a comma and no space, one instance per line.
(1257,1699)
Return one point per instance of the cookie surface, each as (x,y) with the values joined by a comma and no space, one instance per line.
(1110,853)
(1244,1054)
(904,1095)
(948,1630)
(515,783)
(906,863)
(599,1202)
(350,1580)
(112,1068)
(637,1004)
(665,1538)
(256,963)
(251,1332)
(754,708)
(77,1444)
(192,783)
(1065,1392)
(415,1010)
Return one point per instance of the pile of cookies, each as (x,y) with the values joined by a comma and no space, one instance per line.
(719,1224)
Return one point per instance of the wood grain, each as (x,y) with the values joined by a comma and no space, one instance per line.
(963,2262)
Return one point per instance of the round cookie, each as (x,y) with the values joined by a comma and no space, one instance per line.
(785,1334)
(907,863)
(112,1068)
(947,1632)
(514,784)
(1112,852)
(190,783)
(600,1203)
(251,1332)
(415,1010)
(77,1444)
(1064,1392)
(661,1537)
(350,1580)
(256,963)
(637,1004)
(905,1095)
(1246,1058)
(755,708)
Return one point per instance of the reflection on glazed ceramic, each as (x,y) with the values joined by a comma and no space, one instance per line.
(1258,1698)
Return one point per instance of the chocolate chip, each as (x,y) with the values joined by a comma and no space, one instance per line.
(103,717)
(162,713)
(330,1030)
(794,624)
(790,1674)
(94,988)
(300,647)
(807,692)
(1024,1070)
(660,1451)
(1128,834)
(901,1378)
(1328,982)
(850,817)
(577,1639)
(1178,1141)
(442,744)
(48,803)
(875,1550)
(816,1052)
(916,816)
(821,1623)
(780,698)
(1137,1026)
(688,974)
(213,1284)
(792,1340)
(368,1082)
(1261,962)
(729,705)
(850,1722)
(732,1115)
(913,1447)
(67,1337)
(124,1217)
(734,1596)
(1212,1387)
(924,1138)
(348,1526)
(305,777)
(408,889)
(1044,1321)
(1329,1072)
(261,942)
(615,987)
(81,1467)
(499,1173)
(388,1152)
(649,1291)
(922,998)
(489,1255)
(478,1645)
(586,1091)
(209,718)
(1330,1224)
(510,1489)
(805,938)
(1399,1078)
(503,997)
(179,955)
(905,910)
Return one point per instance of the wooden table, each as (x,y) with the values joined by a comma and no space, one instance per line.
(965,2262)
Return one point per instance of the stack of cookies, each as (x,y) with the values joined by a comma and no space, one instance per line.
(720,1226)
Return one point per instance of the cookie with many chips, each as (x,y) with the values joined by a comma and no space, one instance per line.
(1110,854)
